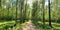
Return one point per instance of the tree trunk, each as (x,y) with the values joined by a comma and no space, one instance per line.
(0,9)
(16,8)
(24,12)
(0,3)
(43,2)
(8,11)
(21,10)
(49,13)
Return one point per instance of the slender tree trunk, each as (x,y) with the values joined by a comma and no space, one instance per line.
(16,10)
(0,9)
(49,13)
(21,10)
(24,11)
(43,2)
(8,11)
(25,8)
(12,11)
(0,3)
(20,5)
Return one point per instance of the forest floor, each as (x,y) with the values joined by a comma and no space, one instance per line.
(30,25)
(39,26)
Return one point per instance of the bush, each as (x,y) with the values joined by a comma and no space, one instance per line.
(6,17)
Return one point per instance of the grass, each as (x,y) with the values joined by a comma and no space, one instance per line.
(10,23)
(38,24)
(6,23)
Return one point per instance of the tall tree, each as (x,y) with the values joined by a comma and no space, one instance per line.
(0,8)
(43,3)
(34,10)
(21,10)
(8,7)
(12,11)
(49,13)
(24,11)
(16,8)
(0,2)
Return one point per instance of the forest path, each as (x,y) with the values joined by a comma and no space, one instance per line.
(29,26)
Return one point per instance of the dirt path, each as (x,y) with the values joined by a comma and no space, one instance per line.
(29,26)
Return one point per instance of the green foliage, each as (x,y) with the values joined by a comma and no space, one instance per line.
(19,9)
(5,24)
